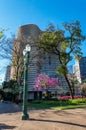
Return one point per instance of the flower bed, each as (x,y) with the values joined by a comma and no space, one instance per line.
(68,97)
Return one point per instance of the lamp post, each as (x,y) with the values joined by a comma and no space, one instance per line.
(26,53)
(37,93)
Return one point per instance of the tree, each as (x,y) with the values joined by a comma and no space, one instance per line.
(17,63)
(12,89)
(84,81)
(83,89)
(73,79)
(5,45)
(43,81)
(63,43)
(11,85)
(1,94)
(10,51)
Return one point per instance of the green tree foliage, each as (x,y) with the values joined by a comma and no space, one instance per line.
(84,81)
(12,86)
(83,89)
(63,43)
(11,90)
(1,34)
(1,94)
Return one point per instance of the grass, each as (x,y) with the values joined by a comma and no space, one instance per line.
(60,104)
(72,106)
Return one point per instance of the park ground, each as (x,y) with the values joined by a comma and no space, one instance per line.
(42,119)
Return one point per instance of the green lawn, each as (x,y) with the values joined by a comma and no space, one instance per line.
(61,104)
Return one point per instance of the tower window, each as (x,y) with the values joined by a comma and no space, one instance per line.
(49,60)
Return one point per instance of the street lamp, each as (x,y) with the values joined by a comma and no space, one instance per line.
(26,53)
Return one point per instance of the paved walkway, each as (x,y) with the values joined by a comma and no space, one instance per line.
(8,107)
(48,119)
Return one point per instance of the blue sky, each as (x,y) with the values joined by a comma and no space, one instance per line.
(14,13)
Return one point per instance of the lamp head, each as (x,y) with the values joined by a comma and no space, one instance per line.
(24,52)
(28,48)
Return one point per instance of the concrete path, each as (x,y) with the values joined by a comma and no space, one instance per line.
(47,119)
(8,107)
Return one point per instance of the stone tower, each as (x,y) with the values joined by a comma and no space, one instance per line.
(40,62)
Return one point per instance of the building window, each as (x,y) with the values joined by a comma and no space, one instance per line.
(49,60)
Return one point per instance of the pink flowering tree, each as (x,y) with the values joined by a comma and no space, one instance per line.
(45,82)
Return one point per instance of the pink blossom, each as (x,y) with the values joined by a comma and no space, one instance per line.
(44,81)
(68,97)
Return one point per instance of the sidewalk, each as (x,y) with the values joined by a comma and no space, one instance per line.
(48,119)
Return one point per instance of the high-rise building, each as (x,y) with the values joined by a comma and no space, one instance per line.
(80,69)
(40,62)
(7,74)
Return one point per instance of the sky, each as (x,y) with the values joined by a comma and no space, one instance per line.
(15,13)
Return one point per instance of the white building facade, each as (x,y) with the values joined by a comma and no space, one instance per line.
(80,69)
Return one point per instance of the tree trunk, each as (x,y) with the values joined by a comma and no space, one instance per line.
(70,88)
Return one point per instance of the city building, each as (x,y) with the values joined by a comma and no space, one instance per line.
(7,74)
(79,69)
(40,62)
